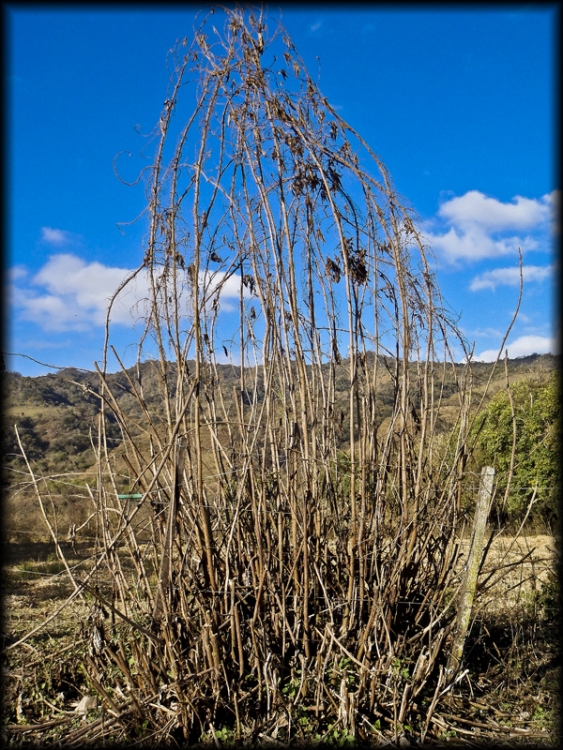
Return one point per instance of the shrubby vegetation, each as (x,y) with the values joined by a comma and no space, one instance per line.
(519,434)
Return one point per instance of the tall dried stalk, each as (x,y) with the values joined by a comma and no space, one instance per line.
(292,557)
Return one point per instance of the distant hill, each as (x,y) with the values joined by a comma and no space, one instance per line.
(56,416)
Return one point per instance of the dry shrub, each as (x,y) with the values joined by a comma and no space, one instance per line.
(267,582)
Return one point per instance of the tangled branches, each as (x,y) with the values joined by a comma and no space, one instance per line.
(292,557)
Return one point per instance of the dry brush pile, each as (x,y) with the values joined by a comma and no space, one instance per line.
(265,582)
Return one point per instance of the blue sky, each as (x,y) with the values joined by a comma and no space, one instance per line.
(459,103)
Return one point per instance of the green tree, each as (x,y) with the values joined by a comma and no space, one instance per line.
(533,419)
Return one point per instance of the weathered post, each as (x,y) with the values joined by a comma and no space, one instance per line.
(472,569)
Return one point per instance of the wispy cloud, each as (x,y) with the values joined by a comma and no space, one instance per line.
(315,26)
(485,333)
(57,237)
(474,226)
(510,277)
(69,294)
(16,272)
(521,347)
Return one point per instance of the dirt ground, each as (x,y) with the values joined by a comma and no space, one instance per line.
(35,584)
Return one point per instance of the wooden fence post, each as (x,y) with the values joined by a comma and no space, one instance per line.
(474,556)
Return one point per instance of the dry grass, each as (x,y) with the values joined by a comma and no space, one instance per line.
(509,693)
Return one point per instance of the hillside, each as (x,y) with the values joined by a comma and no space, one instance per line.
(56,418)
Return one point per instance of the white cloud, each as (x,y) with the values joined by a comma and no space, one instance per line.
(521,347)
(16,272)
(91,284)
(69,294)
(487,333)
(479,227)
(475,244)
(228,287)
(56,236)
(53,313)
(476,209)
(509,277)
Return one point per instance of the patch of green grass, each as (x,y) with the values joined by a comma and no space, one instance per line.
(30,570)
